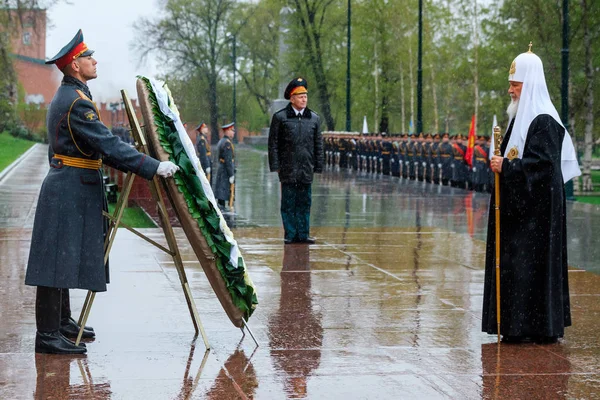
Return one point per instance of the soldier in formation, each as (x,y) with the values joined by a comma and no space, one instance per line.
(438,159)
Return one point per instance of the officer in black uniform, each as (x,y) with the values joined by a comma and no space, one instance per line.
(203,148)
(296,154)
(67,244)
(226,167)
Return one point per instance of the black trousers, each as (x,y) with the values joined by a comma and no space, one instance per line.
(296,199)
(51,306)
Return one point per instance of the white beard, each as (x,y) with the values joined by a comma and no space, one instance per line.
(512,108)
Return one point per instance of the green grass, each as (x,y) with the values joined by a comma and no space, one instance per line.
(135,217)
(11,148)
(261,147)
(588,199)
(596,177)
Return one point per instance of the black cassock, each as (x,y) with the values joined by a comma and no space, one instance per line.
(533,254)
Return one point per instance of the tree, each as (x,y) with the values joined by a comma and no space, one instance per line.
(311,19)
(258,40)
(191,38)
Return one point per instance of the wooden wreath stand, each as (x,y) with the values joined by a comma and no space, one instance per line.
(115,221)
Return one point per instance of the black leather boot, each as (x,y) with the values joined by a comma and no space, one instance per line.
(56,343)
(65,316)
(69,328)
(48,338)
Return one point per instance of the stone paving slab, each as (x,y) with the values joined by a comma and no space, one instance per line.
(371,312)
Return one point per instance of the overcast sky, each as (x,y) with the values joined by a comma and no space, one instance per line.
(108,29)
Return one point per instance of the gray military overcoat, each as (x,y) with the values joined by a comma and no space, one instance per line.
(68,231)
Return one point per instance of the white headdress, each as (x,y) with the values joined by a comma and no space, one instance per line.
(535,100)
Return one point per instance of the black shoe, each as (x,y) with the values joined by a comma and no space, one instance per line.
(288,241)
(70,329)
(308,240)
(56,343)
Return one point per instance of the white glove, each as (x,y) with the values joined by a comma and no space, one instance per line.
(231,179)
(439,165)
(208,170)
(166,169)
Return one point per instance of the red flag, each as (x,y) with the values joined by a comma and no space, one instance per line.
(471,143)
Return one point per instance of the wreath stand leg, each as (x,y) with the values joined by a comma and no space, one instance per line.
(115,221)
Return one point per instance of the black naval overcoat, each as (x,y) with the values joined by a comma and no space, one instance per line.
(533,260)
(203,150)
(225,168)
(296,145)
(68,232)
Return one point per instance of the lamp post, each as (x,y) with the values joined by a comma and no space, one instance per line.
(420,73)
(348,101)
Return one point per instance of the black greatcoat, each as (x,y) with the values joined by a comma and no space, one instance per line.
(225,169)
(296,145)
(67,244)
(533,260)
(203,150)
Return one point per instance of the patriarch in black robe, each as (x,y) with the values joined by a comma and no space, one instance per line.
(537,159)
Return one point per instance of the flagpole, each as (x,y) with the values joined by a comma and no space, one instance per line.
(497,143)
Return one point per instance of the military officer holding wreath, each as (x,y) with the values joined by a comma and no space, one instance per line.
(67,244)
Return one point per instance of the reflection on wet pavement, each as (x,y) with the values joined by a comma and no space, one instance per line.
(386,305)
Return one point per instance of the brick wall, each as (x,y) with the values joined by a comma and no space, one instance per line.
(39,81)
(29,34)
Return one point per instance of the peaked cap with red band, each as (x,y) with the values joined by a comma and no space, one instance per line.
(74,49)
(296,86)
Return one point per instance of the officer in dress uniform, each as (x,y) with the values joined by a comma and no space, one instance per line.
(418,157)
(226,166)
(435,158)
(427,157)
(386,154)
(410,157)
(67,244)
(395,158)
(203,148)
(480,165)
(344,150)
(402,148)
(446,157)
(461,169)
(354,152)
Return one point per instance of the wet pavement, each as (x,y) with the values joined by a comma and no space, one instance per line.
(386,305)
